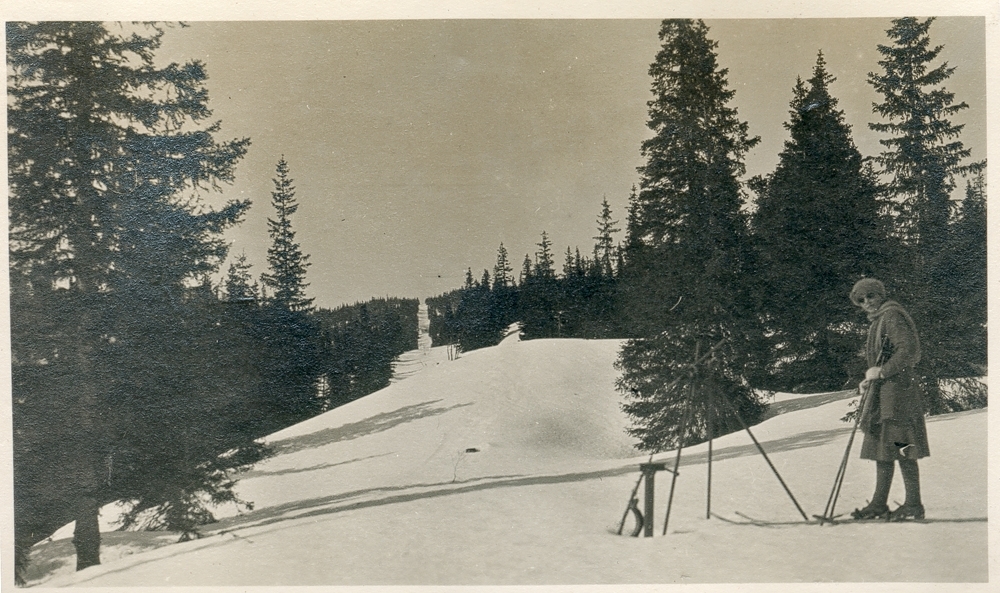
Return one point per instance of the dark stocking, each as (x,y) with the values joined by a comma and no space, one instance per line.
(884,471)
(911,479)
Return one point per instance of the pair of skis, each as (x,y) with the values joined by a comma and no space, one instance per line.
(836,520)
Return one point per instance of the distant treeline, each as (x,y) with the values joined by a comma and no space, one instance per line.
(578,304)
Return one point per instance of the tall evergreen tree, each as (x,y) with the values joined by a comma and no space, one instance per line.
(965,258)
(525,270)
(538,297)
(503,298)
(922,157)
(605,247)
(633,235)
(569,265)
(817,229)
(687,284)
(502,272)
(687,230)
(579,264)
(107,153)
(544,262)
(619,258)
(286,262)
(922,152)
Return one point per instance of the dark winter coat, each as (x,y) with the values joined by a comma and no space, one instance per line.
(895,414)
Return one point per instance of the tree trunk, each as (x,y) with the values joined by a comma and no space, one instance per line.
(87,534)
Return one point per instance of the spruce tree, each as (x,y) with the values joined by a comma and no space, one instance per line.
(922,157)
(923,153)
(965,258)
(475,317)
(539,294)
(687,286)
(286,262)
(503,299)
(633,235)
(525,270)
(240,285)
(544,262)
(502,271)
(108,153)
(687,233)
(579,264)
(569,264)
(604,250)
(817,229)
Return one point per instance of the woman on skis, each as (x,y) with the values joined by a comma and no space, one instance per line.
(892,415)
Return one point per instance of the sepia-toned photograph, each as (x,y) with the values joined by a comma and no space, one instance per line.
(515,298)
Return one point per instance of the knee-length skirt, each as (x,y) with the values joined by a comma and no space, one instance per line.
(891,440)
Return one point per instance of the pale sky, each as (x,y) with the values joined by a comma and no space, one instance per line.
(418,146)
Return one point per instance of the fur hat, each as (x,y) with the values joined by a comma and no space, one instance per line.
(866,286)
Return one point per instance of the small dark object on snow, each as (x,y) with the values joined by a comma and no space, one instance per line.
(472,450)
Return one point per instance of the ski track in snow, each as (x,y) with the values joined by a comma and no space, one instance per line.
(414,361)
(510,466)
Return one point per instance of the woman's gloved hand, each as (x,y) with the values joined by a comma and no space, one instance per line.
(872,374)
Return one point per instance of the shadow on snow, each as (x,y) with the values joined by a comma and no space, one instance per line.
(374,424)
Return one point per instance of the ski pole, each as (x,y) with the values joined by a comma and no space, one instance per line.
(763,454)
(688,412)
(863,406)
(677,460)
(708,495)
(838,480)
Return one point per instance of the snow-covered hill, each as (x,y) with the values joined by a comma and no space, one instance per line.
(510,466)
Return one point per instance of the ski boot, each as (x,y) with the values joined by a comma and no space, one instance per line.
(907,512)
(871,512)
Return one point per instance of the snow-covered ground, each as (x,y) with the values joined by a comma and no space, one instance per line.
(415,361)
(510,466)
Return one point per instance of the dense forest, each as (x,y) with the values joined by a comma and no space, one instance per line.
(136,376)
